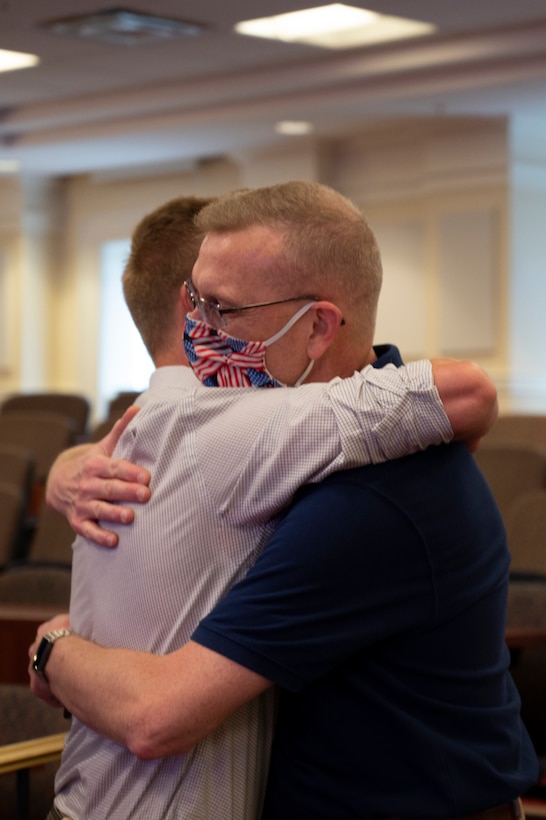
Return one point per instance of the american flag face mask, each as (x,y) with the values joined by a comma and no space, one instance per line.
(220,360)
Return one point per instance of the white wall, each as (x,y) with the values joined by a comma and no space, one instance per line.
(527,297)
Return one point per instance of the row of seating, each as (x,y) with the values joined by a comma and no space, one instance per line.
(514,467)
(513,459)
(48,409)
(73,406)
(35,570)
(34,429)
(519,428)
(516,474)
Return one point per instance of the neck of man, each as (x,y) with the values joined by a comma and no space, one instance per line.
(171,358)
(341,365)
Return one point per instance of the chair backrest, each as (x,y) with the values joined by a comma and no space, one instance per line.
(12,508)
(526,533)
(119,404)
(116,409)
(17,466)
(39,585)
(44,434)
(74,406)
(52,541)
(518,428)
(100,430)
(511,470)
(26,716)
(44,578)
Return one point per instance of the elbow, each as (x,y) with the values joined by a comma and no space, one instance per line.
(149,737)
(485,397)
(469,396)
(142,731)
(476,411)
(151,748)
(142,746)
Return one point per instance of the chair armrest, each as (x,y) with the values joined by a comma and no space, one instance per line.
(30,753)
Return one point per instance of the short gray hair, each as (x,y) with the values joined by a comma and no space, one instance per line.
(328,244)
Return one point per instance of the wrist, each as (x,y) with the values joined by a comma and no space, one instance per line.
(44,650)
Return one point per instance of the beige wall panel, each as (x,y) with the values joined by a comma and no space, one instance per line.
(467,259)
(403,305)
(5,314)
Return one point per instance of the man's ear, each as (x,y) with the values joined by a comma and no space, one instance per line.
(326,324)
(184,300)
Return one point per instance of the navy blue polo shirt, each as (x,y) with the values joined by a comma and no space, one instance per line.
(378,606)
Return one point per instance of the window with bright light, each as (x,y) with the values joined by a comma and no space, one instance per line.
(123,361)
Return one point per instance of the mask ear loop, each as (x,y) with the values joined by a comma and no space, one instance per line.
(301,312)
(305,373)
(280,333)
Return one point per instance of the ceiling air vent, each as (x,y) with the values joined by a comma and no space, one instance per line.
(123,27)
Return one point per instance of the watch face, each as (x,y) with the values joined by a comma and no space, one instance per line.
(41,656)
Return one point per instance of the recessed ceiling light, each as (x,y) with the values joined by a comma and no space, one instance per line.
(124,27)
(12,60)
(333,26)
(294,127)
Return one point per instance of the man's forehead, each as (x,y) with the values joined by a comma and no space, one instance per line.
(245,240)
(235,259)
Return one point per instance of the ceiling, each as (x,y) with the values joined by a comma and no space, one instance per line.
(91,107)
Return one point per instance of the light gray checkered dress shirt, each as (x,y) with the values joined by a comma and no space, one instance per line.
(224,464)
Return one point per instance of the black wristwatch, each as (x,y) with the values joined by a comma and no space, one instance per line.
(44,650)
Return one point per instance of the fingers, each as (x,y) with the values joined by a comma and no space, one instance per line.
(473,443)
(104,486)
(109,441)
(90,488)
(92,509)
(40,688)
(103,477)
(112,487)
(111,480)
(60,621)
(94,532)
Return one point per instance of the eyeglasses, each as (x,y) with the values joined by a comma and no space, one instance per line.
(213,314)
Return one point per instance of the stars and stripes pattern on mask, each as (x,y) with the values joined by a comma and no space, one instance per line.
(219,360)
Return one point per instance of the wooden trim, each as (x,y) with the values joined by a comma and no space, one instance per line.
(518,638)
(30,753)
(27,612)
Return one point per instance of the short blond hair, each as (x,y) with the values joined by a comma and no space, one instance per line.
(329,248)
(164,247)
